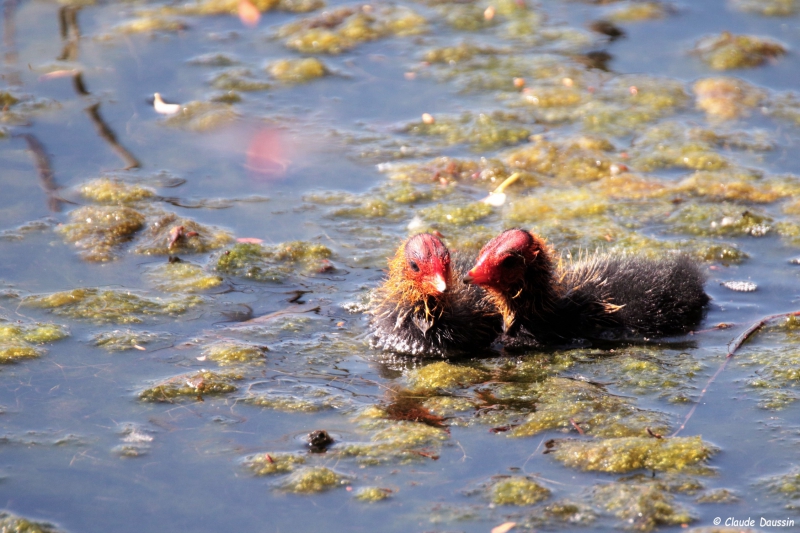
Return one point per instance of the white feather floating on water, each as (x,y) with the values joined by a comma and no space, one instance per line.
(164,108)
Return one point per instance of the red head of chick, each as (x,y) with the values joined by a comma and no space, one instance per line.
(602,296)
(421,310)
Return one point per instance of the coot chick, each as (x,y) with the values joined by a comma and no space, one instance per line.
(423,310)
(601,297)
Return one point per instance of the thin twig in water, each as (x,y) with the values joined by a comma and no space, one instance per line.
(733,346)
(576,426)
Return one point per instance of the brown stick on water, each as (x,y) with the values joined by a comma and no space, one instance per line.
(733,347)
(45,171)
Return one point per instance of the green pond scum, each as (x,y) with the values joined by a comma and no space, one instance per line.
(786,487)
(517,491)
(271,463)
(298,70)
(483,132)
(121,340)
(192,386)
(182,277)
(110,305)
(202,116)
(311,480)
(628,454)
(16,524)
(727,51)
(21,341)
(226,353)
(100,232)
(768,8)
(273,263)
(115,192)
(373,494)
(344,28)
(642,506)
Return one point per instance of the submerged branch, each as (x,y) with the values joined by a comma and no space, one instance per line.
(733,347)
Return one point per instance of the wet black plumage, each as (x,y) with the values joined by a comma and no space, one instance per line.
(600,297)
(422,309)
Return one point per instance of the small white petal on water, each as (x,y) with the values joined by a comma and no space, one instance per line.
(164,108)
(415,224)
(495,199)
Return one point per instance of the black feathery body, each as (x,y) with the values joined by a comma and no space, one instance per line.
(611,297)
(458,322)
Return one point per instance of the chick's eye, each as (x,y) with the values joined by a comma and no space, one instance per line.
(509,261)
(414,266)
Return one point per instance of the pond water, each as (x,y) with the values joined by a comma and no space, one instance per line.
(138,393)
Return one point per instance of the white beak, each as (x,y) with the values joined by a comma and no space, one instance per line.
(439,283)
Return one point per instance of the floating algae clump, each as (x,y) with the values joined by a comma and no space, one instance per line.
(456,54)
(10,523)
(202,116)
(110,305)
(372,494)
(670,146)
(769,8)
(580,160)
(639,11)
(449,215)
(733,186)
(466,17)
(298,70)
(287,403)
(181,276)
(642,506)
(230,353)
(398,442)
(621,455)
(718,496)
(726,98)
(484,131)
(267,464)
(191,386)
(170,234)
(39,333)
(727,51)
(238,79)
(11,353)
(778,373)
(545,96)
(647,370)
(368,208)
(17,340)
(444,375)
(718,220)
(333,32)
(786,486)
(113,191)
(445,171)
(272,263)
(628,186)
(150,23)
(561,204)
(99,231)
(518,491)
(630,102)
(562,402)
(127,339)
(310,480)
(727,254)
